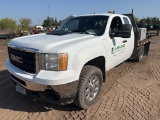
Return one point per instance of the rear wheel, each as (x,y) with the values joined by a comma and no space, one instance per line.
(140,54)
(89,86)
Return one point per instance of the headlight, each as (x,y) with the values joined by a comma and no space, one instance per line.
(55,62)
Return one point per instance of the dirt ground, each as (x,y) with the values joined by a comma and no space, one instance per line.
(132,92)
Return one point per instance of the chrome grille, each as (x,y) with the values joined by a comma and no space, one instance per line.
(23,59)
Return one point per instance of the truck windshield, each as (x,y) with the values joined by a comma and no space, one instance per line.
(94,25)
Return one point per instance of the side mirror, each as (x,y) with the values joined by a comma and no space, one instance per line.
(125,31)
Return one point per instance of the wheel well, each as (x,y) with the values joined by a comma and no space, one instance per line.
(100,63)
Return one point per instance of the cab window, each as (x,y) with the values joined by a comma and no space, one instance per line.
(116,24)
(125,20)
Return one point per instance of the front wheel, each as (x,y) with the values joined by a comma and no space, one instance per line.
(90,83)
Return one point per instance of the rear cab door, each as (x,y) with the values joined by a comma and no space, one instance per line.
(129,41)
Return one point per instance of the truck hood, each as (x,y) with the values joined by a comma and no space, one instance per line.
(44,43)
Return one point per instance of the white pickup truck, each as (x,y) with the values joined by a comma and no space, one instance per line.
(69,64)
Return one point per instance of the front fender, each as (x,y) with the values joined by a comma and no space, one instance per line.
(85,55)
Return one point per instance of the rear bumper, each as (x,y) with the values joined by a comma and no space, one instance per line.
(56,94)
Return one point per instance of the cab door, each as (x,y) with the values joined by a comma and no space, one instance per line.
(117,46)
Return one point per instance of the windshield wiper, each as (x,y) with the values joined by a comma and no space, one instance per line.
(83,32)
(90,33)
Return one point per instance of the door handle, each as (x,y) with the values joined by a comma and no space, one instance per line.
(124,41)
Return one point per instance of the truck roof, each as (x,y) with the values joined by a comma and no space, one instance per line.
(101,14)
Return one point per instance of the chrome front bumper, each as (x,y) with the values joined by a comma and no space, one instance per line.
(59,94)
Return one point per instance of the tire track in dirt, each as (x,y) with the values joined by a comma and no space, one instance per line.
(139,105)
(37,111)
(156,71)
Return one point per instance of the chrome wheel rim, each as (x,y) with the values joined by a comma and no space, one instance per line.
(92,88)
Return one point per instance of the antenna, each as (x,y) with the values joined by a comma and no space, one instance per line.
(48,11)
(132,11)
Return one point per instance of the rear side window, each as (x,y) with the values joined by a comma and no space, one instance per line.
(125,20)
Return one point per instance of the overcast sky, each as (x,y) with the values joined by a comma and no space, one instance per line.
(38,10)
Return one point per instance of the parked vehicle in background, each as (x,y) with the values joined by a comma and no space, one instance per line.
(7,33)
(38,29)
(70,64)
(145,25)
(156,27)
(53,28)
(151,29)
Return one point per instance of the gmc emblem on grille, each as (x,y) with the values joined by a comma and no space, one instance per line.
(16,58)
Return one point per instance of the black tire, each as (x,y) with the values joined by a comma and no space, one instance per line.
(140,54)
(89,87)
